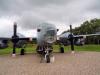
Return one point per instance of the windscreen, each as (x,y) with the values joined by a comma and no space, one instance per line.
(51,33)
(50,36)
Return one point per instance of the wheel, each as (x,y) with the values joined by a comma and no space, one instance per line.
(22,52)
(48,59)
(61,50)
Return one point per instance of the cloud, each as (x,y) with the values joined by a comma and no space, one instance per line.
(95,7)
(10,7)
(68,12)
(63,11)
(29,20)
(5,27)
(30,13)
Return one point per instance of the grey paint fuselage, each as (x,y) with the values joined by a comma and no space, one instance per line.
(47,34)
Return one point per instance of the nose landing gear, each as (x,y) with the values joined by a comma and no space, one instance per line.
(47,58)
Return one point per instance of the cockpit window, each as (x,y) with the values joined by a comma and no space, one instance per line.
(51,32)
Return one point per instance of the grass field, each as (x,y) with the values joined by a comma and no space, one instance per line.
(31,48)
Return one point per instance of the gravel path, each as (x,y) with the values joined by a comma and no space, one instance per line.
(80,63)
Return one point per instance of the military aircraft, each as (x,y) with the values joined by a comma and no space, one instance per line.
(77,39)
(47,35)
(64,39)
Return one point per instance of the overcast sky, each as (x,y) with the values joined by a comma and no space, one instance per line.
(30,13)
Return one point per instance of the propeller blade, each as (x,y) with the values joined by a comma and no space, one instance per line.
(15,29)
(14,38)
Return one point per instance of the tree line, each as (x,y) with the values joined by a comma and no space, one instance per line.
(88,27)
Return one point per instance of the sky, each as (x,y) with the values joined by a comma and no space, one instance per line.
(29,14)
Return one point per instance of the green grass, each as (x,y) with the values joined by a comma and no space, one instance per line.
(32,49)
(88,48)
(80,48)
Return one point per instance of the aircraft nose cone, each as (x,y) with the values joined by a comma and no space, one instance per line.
(50,39)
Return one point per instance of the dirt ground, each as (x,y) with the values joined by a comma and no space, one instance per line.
(80,63)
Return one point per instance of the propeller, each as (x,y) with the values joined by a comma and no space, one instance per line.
(71,38)
(14,38)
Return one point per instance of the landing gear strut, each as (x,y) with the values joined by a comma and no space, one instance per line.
(47,59)
(47,56)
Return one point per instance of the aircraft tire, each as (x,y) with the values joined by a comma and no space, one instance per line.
(61,50)
(48,58)
(22,52)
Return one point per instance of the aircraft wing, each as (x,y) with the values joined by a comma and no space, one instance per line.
(25,38)
(88,35)
(4,38)
(78,36)
(19,39)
